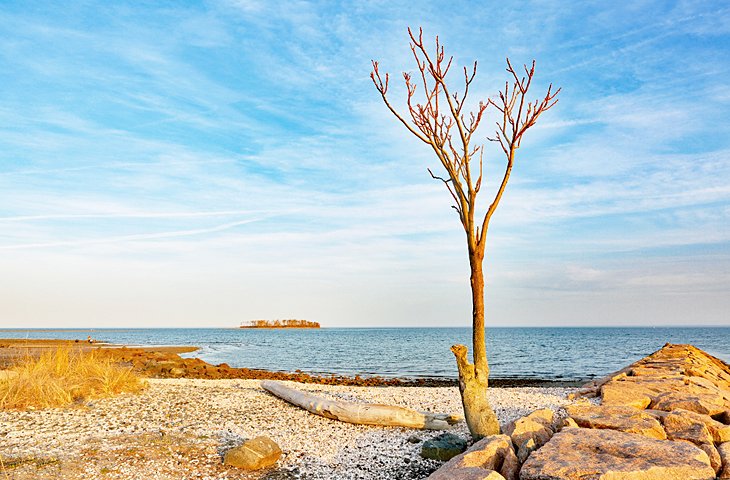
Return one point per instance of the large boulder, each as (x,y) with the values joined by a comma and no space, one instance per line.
(709,403)
(637,392)
(591,454)
(530,432)
(469,473)
(713,455)
(724,451)
(254,454)
(680,426)
(444,447)
(719,431)
(490,454)
(624,419)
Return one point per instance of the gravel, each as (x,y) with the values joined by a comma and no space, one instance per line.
(179,428)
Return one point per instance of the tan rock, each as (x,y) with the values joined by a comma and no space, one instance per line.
(568,423)
(544,416)
(528,434)
(254,454)
(719,431)
(724,451)
(469,473)
(624,394)
(674,368)
(493,454)
(624,419)
(680,426)
(714,455)
(702,382)
(591,454)
(705,403)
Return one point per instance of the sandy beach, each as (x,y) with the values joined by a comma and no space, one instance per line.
(179,428)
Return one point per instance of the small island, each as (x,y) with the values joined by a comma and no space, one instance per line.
(291,323)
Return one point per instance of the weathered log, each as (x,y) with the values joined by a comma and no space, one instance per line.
(361,413)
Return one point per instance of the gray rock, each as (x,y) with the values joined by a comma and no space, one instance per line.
(444,447)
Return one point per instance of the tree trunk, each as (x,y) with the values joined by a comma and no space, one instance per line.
(473,378)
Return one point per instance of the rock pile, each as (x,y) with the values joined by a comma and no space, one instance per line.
(665,416)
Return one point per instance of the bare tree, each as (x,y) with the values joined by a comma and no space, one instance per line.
(440,122)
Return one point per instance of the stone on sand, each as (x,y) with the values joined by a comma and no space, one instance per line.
(254,454)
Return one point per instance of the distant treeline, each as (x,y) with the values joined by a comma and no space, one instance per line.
(280,324)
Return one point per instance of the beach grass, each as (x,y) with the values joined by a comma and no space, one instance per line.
(63,377)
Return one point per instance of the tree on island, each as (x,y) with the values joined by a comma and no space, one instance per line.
(441,123)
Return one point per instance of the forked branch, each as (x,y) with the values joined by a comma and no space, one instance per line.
(437,118)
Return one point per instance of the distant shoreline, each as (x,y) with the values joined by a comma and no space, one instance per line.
(164,361)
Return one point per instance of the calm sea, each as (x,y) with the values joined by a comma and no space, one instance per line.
(569,354)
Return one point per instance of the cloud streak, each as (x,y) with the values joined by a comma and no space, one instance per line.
(242,142)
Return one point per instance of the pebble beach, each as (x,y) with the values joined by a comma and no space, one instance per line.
(180,428)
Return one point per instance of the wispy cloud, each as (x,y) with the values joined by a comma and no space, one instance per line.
(242,142)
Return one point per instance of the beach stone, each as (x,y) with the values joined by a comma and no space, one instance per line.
(254,454)
(724,451)
(624,419)
(705,403)
(583,454)
(444,447)
(529,433)
(414,439)
(490,454)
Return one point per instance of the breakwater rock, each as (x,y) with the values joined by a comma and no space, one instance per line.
(665,416)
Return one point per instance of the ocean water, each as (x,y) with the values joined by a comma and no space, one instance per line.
(567,354)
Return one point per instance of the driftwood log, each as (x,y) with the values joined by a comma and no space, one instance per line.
(361,413)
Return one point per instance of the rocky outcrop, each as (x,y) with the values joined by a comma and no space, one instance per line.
(493,454)
(591,454)
(664,417)
(254,454)
(677,376)
(624,419)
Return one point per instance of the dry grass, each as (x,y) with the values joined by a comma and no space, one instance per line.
(63,377)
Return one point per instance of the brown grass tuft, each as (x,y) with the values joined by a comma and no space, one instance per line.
(65,376)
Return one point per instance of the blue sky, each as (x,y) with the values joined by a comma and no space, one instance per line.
(204,164)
